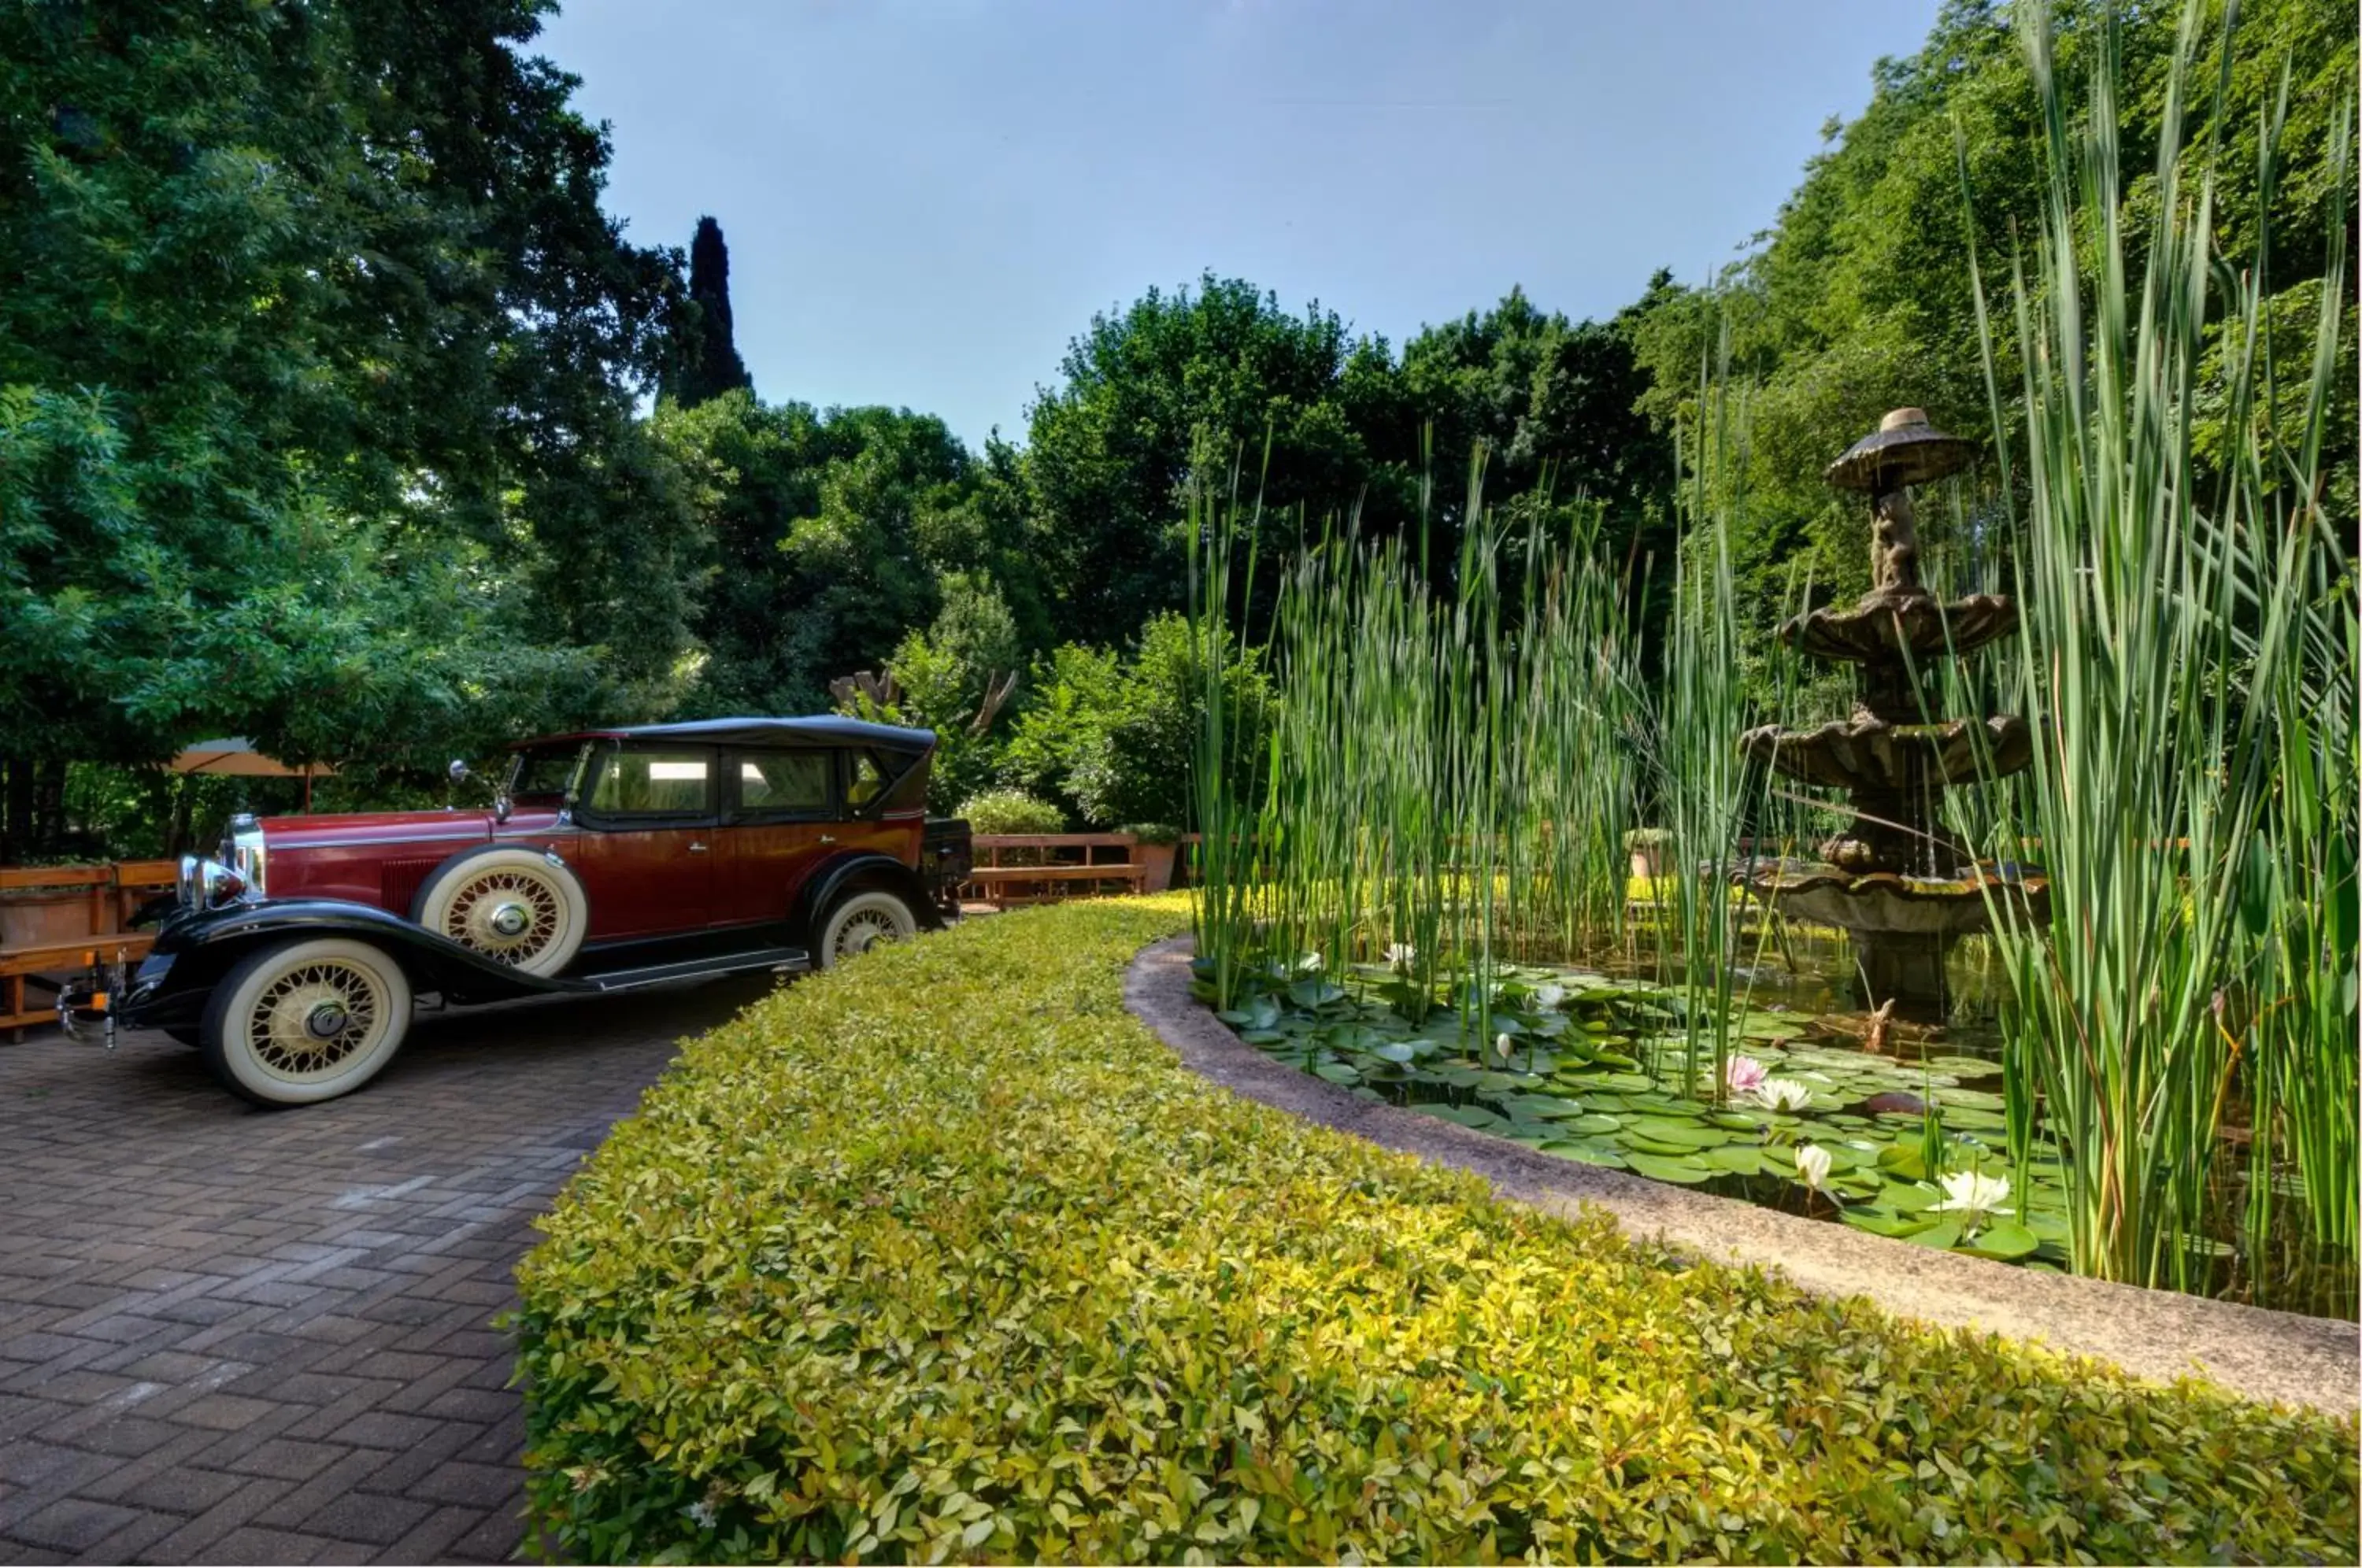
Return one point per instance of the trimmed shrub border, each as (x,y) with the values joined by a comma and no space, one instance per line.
(941,1256)
(2156,1334)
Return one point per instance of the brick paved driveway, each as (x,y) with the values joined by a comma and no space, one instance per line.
(244,1336)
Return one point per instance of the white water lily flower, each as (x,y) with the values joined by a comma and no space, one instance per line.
(1549,997)
(1505,1046)
(1308,964)
(1813,1164)
(1401,954)
(1784,1094)
(1974,1196)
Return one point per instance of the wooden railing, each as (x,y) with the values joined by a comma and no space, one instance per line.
(53,918)
(1014,869)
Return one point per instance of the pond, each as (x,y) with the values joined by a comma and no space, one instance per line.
(1895,1129)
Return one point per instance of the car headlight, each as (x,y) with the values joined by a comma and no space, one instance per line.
(208,884)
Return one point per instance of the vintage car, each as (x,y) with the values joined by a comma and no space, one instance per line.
(610,860)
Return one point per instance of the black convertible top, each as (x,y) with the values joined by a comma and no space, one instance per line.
(822,730)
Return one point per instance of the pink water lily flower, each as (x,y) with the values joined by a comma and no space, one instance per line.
(1744,1074)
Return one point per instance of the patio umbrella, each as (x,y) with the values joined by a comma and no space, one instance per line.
(236,755)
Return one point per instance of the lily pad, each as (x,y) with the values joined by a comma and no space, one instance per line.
(1884,1224)
(1592,1123)
(2002,1240)
(1944,1233)
(1742,1159)
(1590,1154)
(1679,1134)
(1660,1168)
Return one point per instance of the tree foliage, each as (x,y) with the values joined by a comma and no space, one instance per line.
(709,364)
(1860,298)
(316,372)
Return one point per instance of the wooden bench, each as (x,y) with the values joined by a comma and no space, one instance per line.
(109,895)
(1004,886)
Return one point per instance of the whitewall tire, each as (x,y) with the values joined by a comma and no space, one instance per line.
(860,920)
(516,907)
(307,1021)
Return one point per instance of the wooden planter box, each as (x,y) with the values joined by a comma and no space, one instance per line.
(43,917)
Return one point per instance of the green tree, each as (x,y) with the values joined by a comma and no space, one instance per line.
(315,340)
(708,365)
(1860,298)
(1178,382)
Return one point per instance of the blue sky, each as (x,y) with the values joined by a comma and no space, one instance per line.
(925,201)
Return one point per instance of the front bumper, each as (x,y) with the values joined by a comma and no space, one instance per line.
(108,996)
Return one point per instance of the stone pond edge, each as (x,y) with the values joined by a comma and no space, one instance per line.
(2249,1351)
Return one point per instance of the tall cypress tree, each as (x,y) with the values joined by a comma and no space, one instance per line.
(710,363)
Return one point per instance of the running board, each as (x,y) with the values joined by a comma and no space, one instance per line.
(784,958)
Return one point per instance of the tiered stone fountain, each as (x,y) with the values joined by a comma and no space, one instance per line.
(1893,879)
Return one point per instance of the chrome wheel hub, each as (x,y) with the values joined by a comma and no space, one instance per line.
(512,920)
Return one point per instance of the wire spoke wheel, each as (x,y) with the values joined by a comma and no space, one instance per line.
(316,1018)
(512,905)
(863,932)
(863,921)
(305,1021)
(509,914)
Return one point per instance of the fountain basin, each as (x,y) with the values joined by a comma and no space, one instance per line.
(1882,627)
(1866,753)
(1882,904)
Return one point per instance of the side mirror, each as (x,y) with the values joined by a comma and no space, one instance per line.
(460,771)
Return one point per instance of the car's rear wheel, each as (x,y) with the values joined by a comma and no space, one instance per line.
(307,1021)
(517,906)
(860,920)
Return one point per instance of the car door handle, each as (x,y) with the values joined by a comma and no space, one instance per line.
(828,838)
(695,847)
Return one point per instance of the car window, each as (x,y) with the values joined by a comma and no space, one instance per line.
(544,772)
(783,781)
(863,781)
(654,783)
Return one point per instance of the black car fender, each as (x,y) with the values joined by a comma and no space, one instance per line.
(194,951)
(856,869)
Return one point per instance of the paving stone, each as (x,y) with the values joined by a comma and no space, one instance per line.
(223,1412)
(72,1524)
(234,1336)
(286,1459)
(249,1544)
(430,1540)
(369,1518)
(183,1489)
(485,1486)
(383,1428)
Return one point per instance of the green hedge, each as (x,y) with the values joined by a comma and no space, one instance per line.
(942,1254)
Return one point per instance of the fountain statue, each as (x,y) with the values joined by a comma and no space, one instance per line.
(1892,879)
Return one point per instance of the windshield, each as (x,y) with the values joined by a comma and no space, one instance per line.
(546,772)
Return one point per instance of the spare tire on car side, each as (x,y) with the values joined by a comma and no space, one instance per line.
(519,906)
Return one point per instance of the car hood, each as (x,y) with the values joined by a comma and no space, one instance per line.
(377,827)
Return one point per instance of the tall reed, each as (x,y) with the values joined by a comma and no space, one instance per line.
(1698,774)
(2178,629)
(1452,769)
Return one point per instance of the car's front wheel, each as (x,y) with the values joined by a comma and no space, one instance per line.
(860,920)
(306,1021)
